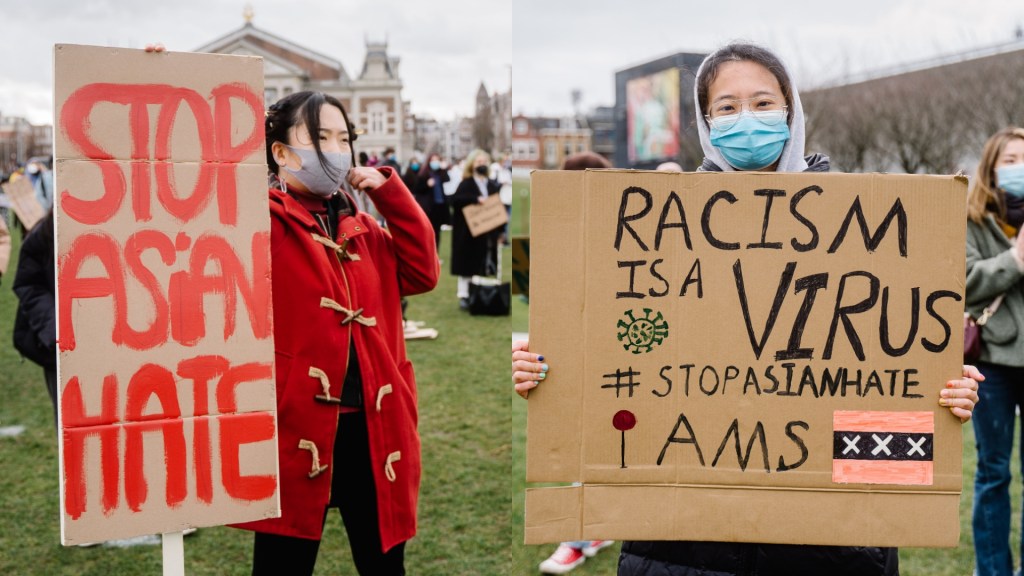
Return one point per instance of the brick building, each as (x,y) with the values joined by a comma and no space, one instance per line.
(373,98)
(540,142)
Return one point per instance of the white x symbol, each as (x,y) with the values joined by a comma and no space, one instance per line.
(916,446)
(851,444)
(882,445)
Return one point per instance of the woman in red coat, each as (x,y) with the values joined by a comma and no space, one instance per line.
(346,395)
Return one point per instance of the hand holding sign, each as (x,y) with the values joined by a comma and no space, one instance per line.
(961,395)
(527,369)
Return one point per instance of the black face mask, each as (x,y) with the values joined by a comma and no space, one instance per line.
(481,170)
(1014,211)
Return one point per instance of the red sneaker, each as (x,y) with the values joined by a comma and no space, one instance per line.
(596,546)
(563,560)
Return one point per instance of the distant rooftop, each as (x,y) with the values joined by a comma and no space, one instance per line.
(928,63)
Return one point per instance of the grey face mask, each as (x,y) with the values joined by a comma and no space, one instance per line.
(323,183)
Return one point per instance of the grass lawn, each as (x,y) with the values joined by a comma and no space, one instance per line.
(957,561)
(520,224)
(465,500)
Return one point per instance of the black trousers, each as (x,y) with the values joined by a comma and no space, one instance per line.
(354,494)
(439,214)
(51,387)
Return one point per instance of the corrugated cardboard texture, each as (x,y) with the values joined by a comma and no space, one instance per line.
(703,330)
(201,106)
(166,356)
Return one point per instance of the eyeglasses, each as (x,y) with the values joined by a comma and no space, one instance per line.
(725,113)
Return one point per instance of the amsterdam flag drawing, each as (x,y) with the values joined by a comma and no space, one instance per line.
(876,447)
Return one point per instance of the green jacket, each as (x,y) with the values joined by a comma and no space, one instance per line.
(992,270)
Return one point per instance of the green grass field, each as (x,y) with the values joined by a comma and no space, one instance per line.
(465,500)
(957,561)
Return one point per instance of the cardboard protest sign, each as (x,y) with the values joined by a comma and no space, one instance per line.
(746,357)
(486,216)
(521,265)
(166,358)
(26,206)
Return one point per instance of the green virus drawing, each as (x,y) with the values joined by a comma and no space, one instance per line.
(641,334)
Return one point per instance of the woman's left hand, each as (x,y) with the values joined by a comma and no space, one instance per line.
(365,178)
(960,396)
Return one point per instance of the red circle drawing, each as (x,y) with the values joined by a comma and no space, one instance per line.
(623,420)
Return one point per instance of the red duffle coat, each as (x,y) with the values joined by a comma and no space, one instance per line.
(326,292)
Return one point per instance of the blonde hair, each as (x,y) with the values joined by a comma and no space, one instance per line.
(985,197)
(467,167)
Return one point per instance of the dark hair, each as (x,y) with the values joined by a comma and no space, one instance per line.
(584,160)
(302,108)
(738,52)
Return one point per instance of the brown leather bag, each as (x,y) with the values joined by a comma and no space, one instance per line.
(973,344)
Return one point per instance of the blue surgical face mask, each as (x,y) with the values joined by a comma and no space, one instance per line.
(321,182)
(751,143)
(1011,179)
(415,166)
(435,165)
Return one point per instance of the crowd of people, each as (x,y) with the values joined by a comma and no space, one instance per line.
(443,188)
(749,118)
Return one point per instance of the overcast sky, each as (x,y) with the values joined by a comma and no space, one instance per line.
(562,45)
(446,46)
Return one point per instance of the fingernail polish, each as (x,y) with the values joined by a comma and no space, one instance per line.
(540,358)
(542,376)
(543,367)
(943,402)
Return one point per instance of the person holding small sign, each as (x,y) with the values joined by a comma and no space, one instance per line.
(471,255)
(750,119)
(995,291)
(346,394)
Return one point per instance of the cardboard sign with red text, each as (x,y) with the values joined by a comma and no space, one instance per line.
(746,357)
(166,359)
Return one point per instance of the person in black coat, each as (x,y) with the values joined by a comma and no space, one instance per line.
(412,174)
(429,193)
(472,256)
(35,325)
